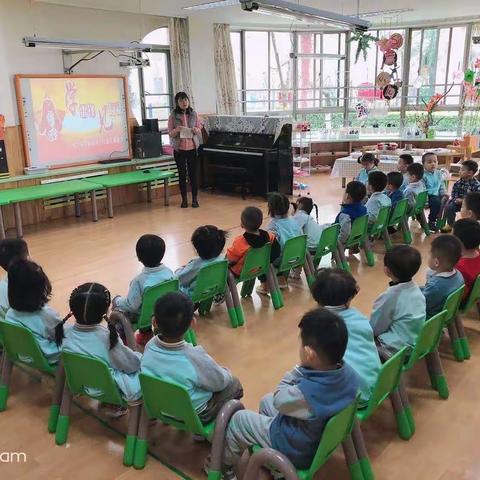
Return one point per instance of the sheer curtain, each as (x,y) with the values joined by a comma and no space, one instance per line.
(180,56)
(226,82)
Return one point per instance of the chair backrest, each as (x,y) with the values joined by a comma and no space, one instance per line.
(399,212)
(474,296)
(170,403)
(294,253)
(420,202)
(358,231)
(21,346)
(211,281)
(452,304)
(427,339)
(328,242)
(150,296)
(387,381)
(334,433)
(257,262)
(381,222)
(91,377)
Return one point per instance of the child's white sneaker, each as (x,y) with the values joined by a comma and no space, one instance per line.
(262,289)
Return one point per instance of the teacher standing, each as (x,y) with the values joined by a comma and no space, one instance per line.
(184,130)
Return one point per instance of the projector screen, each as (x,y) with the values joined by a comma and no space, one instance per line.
(72,119)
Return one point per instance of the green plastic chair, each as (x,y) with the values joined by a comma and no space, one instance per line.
(91,377)
(171,403)
(337,431)
(398,218)
(377,229)
(328,244)
(358,238)
(473,298)
(212,281)
(20,346)
(418,211)
(453,322)
(426,347)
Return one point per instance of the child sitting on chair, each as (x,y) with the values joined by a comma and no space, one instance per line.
(89,304)
(253,237)
(471,206)
(377,181)
(415,183)
(399,313)
(208,241)
(435,186)
(335,289)
(467,183)
(169,357)
(292,419)
(150,252)
(29,291)
(11,249)
(352,208)
(394,187)
(369,163)
(303,209)
(404,161)
(442,278)
(467,231)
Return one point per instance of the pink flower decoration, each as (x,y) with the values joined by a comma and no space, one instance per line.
(477,63)
(395,41)
(383,44)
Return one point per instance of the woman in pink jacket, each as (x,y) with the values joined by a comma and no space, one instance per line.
(185,134)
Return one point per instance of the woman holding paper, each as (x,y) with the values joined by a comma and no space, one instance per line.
(185,134)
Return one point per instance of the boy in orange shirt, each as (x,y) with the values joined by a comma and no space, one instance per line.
(253,237)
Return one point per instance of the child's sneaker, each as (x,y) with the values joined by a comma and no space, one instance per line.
(282,282)
(143,337)
(227,472)
(262,289)
(220,298)
(113,411)
(433,227)
(446,229)
(296,273)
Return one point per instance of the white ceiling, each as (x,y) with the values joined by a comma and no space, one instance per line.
(424,12)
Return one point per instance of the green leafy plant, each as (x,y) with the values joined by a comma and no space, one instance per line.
(364,42)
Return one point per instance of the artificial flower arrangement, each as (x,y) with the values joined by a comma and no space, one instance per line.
(425,120)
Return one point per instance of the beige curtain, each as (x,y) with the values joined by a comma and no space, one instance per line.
(226,83)
(180,56)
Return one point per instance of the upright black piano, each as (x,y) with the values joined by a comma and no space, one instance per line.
(249,154)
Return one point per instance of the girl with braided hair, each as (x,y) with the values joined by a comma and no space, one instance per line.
(89,305)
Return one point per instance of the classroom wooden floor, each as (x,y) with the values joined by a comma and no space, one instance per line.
(444,447)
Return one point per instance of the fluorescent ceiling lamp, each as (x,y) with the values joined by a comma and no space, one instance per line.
(392,11)
(85,45)
(305,14)
(219,3)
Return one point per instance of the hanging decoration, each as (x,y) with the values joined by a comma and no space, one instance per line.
(388,80)
(362,110)
(364,42)
(471,97)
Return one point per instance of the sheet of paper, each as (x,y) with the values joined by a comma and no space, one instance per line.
(186,132)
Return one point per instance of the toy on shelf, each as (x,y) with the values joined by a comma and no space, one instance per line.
(301,149)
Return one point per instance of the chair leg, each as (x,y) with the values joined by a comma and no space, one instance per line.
(336,258)
(141,447)
(205,307)
(367,248)
(268,457)
(462,337)
(437,375)
(7,367)
(275,293)
(455,341)
(353,463)
(345,265)
(191,337)
(63,424)
(237,304)
(309,269)
(400,417)
(57,398)
(131,438)
(387,240)
(232,314)
(361,451)
(423,222)
(407,234)
(247,288)
(402,390)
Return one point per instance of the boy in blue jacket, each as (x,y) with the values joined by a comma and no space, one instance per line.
(352,208)
(291,419)
(435,186)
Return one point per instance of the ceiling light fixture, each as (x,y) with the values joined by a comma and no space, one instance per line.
(393,11)
(85,45)
(208,5)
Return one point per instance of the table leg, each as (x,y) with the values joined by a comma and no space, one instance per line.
(344,181)
(18,219)
(93,197)
(2,225)
(110,203)
(149,192)
(166,192)
(78,212)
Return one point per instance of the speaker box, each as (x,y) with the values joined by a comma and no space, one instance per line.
(151,124)
(147,145)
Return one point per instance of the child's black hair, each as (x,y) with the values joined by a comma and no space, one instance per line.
(89,304)
(182,96)
(417,170)
(306,204)
(395,179)
(403,261)
(173,314)
(368,157)
(378,181)
(334,287)
(448,248)
(471,166)
(356,190)
(467,230)
(407,158)
(426,155)
(150,250)
(252,218)
(209,241)
(472,202)
(278,204)
(29,288)
(12,249)
(325,332)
